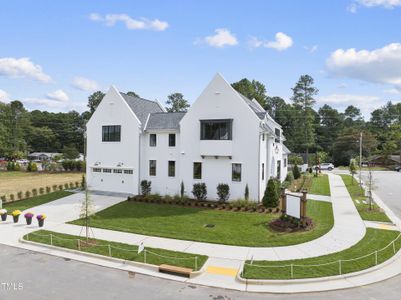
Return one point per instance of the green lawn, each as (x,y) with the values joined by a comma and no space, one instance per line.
(188,223)
(374,240)
(34,201)
(119,250)
(358,194)
(366,168)
(320,185)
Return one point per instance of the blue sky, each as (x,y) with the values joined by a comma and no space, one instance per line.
(54,54)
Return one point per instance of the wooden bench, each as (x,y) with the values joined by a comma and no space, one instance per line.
(174,270)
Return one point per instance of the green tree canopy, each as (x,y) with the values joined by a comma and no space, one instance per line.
(251,89)
(177,103)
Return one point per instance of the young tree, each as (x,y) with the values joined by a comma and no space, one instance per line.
(271,196)
(182,190)
(246,194)
(177,103)
(296,172)
(303,99)
(87,210)
(70,152)
(133,94)
(352,169)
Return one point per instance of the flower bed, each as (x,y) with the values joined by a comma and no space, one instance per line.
(290,224)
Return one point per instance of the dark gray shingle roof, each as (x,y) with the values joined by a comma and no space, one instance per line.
(164,120)
(141,107)
(254,107)
(286,150)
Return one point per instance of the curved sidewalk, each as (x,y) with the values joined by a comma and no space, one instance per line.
(348,229)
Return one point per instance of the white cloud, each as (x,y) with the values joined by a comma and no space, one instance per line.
(367,103)
(130,23)
(392,91)
(4,97)
(58,95)
(311,49)
(381,65)
(282,42)
(222,38)
(342,85)
(85,84)
(22,68)
(388,4)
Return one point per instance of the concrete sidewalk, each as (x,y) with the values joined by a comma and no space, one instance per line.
(348,229)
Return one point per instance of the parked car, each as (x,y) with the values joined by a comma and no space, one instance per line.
(397,168)
(22,161)
(324,166)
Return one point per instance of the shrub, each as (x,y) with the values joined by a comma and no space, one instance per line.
(17,167)
(12,197)
(41,191)
(246,194)
(199,191)
(34,192)
(32,167)
(54,187)
(27,194)
(272,193)
(48,189)
(3,198)
(66,185)
(146,187)
(10,166)
(20,195)
(71,185)
(310,170)
(223,191)
(182,190)
(60,187)
(289,177)
(296,172)
(83,181)
(77,184)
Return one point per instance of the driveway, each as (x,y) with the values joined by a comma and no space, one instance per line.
(387,185)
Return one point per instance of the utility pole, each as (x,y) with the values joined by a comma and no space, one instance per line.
(360,159)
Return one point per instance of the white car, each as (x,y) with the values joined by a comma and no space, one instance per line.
(324,166)
(22,161)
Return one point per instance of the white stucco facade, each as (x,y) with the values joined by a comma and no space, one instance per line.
(246,137)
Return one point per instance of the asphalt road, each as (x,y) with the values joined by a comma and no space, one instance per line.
(30,275)
(387,184)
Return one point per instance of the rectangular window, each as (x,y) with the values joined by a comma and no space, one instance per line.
(197,170)
(128,172)
(278,134)
(111,133)
(285,162)
(263,171)
(152,140)
(152,168)
(263,137)
(236,172)
(171,140)
(171,168)
(97,170)
(106,170)
(118,171)
(216,129)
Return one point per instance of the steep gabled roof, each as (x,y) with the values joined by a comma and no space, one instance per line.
(142,107)
(256,108)
(286,150)
(164,120)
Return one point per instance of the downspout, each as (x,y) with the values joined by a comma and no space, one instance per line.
(139,159)
(258,168)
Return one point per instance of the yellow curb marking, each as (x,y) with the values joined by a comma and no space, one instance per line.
(387,227)
(222,271)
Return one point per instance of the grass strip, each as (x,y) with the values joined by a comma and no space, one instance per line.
(358,195)
(359,257)
(320,185)
(154,256)
(34,201)
(188,223)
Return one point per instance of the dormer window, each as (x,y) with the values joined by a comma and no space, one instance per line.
(216,129)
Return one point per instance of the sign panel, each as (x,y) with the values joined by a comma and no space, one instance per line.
(293,206)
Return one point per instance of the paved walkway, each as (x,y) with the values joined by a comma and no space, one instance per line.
(224,261)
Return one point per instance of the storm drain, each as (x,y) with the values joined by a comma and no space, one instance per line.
(208,225)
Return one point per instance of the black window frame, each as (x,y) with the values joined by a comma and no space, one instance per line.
(195,169)
(171,139)
(171,168)
(233,172)
(151,140)
(151,168)
(277,133)
(111,133)
(263,171)
(207,136)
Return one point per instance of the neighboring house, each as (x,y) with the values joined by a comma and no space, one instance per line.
(223,138)
(43,156)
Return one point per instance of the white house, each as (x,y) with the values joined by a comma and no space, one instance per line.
(223,138)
